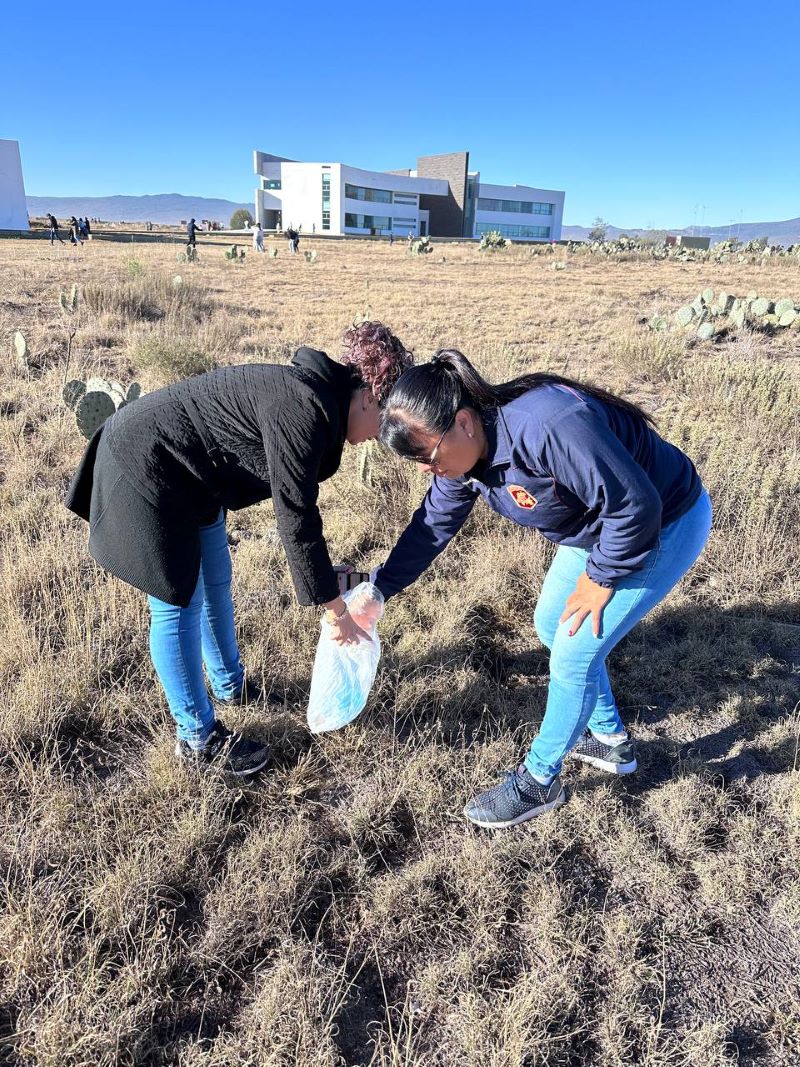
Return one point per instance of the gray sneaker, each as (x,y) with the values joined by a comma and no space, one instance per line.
(616,759)
(516,799)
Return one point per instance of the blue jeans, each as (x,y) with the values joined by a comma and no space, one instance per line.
(183,639)
(579,694)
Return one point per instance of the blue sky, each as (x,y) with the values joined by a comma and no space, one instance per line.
(646,114)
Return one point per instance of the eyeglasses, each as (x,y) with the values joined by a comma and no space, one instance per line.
(430,461)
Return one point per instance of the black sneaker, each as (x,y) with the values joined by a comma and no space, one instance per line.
(519,797)
(616,759)
(250,693)
(233,753)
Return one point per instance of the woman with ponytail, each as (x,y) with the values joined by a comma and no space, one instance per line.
(589,471)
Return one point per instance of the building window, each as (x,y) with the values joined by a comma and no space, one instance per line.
(404,222)
(521,207)
(508,229)
(326,200)
(359,192)
(367,222)
(272,183)
(405,198)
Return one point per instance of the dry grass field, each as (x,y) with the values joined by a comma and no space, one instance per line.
(339,911)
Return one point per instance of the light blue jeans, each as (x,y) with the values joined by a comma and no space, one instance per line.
(183,639)
(579,694)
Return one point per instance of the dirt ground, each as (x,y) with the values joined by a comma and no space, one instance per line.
(339,911)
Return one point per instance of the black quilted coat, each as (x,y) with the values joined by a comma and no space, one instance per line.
(165,465)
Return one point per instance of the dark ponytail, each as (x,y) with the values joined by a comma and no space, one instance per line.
(427,397)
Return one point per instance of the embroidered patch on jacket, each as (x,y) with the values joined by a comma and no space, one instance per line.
(522,498)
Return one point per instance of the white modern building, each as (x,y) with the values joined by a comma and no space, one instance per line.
(440,197)
(13,207)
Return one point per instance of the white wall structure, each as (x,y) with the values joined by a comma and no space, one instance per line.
(13,208)
(336,199)
(332,198)
(519,212)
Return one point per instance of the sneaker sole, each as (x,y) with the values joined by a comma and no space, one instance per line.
(606,765)
(532,814)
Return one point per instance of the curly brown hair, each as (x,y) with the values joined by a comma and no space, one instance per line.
(377,358)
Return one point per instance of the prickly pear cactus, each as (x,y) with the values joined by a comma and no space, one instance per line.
(69,299)
(705,331)
(272,253)
(21,349)
(366,463)
(72,392)
(91,412)
(96,399)
(311,257)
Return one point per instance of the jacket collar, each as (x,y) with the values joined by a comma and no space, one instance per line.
(498,439)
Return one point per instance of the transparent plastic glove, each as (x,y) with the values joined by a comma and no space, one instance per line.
(344,674)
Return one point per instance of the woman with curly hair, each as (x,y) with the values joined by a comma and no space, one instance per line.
(158,477)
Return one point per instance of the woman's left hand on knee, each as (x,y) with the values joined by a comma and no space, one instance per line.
(588,598)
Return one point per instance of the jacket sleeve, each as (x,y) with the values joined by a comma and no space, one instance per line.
(294,445)
(582,452)
(436,521)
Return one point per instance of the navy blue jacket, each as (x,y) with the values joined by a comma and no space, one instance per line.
(582,472)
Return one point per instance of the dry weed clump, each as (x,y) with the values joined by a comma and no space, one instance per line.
(146,297)
(339,911)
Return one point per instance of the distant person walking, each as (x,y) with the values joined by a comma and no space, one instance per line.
(54,234)
(87,227)
(293,238)
(74,232)
(191,233)
(82,229)
(258,237)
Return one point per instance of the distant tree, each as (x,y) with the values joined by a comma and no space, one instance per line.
(598,230)
(241,218)
(653,237)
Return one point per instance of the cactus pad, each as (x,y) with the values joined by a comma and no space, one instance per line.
(21,348)
(92,411)
(72,392)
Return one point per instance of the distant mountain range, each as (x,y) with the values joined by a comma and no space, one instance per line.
(164,208)
(171,208)
(779,233)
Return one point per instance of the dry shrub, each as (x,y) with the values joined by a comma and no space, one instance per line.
(146,297)
(171,355)
(655,356)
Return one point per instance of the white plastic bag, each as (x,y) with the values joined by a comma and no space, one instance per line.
(343,674)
